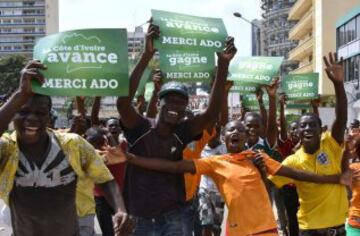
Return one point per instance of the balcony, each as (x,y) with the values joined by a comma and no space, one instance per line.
(303,27)
(306,67)
(304,48)
(299,9)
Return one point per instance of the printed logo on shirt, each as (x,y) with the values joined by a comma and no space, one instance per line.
(55,171)
(323,159)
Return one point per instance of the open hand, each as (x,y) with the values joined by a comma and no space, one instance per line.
(334,68)
(113,155)
(29,72)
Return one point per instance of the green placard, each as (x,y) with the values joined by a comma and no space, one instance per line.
(146,77)
(185,32)
(149,88)
(259,70)
(89,62)
(301,86)
(298,106)
(243,87)
(249,101)
(187,66)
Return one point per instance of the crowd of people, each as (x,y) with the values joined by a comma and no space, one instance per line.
(165,170)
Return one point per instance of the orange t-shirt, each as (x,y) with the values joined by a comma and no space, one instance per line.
(192,152)
(243,190)
(355,200)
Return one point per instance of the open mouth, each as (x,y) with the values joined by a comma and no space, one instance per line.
(31,130)
(234,139)
(173,114)
(308,137)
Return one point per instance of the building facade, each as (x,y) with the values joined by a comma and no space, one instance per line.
(23,22)
(316,32)
(136,42)
(274,30)
(348,47)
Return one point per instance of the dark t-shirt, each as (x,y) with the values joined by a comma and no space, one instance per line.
(151,193)
(42,201)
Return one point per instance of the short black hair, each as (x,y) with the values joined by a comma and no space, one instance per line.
(312,115)
(95,134)
(42,96)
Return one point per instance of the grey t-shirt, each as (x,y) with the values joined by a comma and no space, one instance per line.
(42,201)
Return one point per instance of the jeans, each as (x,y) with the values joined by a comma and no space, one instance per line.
(291,202)
(168,224)
(104,213)
(86,225)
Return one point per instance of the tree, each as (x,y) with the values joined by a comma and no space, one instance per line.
(10,68)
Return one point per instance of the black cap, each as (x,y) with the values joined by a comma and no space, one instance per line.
(174,87)
(355,123)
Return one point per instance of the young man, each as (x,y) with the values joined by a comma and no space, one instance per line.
(323,208)
(287,141)
(211,204)
(237,179)
(157,199)
(40,169)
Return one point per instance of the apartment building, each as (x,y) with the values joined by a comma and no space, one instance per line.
(316,33)
(348,47)
(23,22)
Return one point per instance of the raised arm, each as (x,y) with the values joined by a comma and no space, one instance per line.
(95,112)
(152,106)
(117,155)
(271,129)
(224,114)
(283,128)
(128,114)
(263,112)
(335,71)
(80,104)
(22,94)
(315,103)
(200,122)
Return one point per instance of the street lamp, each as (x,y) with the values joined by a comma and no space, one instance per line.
(258,31)
(237,14)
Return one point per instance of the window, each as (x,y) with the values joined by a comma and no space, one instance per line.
(350,30)
(341,36)
(352,68)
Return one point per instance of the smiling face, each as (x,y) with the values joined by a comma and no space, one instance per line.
(253,127)
(235,136)
(172,108)
(294,132)
(310,132)
(32,119)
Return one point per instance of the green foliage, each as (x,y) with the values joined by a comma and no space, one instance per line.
(10,68)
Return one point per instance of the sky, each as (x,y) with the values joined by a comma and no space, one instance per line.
(80,14)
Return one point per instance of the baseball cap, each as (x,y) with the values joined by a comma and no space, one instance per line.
(173,87)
